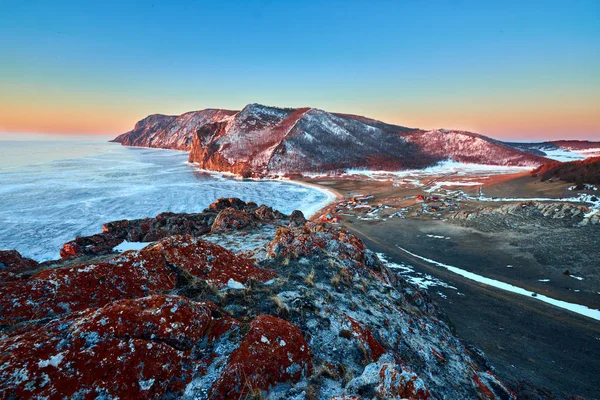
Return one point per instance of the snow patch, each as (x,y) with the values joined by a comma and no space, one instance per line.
(438,237)
(576,308)
(562,155)
(233,284)
(53,361)
(125,246)
(421,280)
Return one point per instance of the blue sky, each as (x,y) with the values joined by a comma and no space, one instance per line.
(504,68)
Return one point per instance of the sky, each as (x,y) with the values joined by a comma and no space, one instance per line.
(518,70)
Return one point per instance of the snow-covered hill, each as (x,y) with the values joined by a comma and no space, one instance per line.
(169,131)
(472,148)
(261,140)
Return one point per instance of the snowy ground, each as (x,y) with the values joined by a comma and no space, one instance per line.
(419,279)
(577,308)
(566,155)
(441,169)
(45,204)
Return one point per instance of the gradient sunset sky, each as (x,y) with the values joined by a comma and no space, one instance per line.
(521,70)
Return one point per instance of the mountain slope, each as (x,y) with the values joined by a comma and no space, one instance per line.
(171,132)
(261,140)
(267,140)
(471,147)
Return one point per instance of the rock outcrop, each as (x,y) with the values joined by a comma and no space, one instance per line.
(265,141)
(288,309)
(513,215)
(223,214)
(12,261)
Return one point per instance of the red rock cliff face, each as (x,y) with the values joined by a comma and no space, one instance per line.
(265,141)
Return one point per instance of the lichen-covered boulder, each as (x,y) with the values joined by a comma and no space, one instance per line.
(55,292)
(207,261)
(231,202)
(231,219)
(128,349)
(13,261)
(297,219)
(267,214)
(153,270)
(314,238)
(386,379)
(274,351)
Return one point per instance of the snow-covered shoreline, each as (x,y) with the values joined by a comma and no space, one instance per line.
(331,196)
(443,168)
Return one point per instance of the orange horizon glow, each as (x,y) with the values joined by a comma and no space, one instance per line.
(575,123)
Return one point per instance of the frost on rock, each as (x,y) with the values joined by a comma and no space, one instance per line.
(301,310)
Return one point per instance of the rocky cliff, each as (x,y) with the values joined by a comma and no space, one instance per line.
(249,303)
(579,172)
(169,131)
(261,140)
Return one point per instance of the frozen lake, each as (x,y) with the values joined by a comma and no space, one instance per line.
(54,188)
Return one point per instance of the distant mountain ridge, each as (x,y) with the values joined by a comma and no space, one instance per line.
(561,150)
(262,140)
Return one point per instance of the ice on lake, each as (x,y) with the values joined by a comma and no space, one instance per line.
(73,188)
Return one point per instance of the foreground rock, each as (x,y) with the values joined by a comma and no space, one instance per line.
(302,311)
(168,224)
(11,263)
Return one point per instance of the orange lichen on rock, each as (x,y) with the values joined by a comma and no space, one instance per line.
(386,379)
(207,261)
(401,384)
(367,339)
(273,351)
(312,238)
(295,242)
(55,292)
(129,349)
(483,389)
